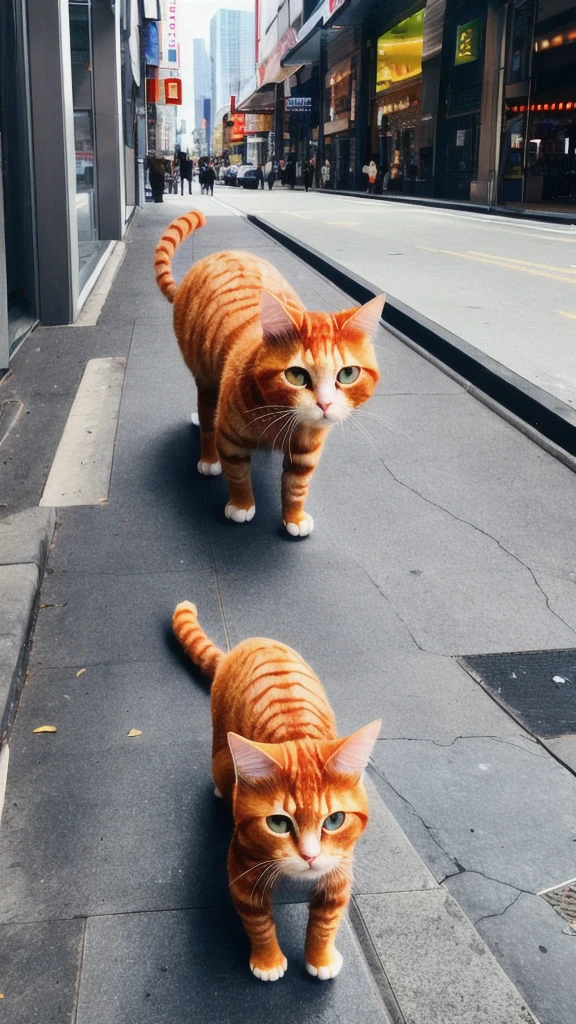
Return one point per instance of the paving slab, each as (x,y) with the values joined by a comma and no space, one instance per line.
(438,968)
(193,966)
(25,536)
(18,591)
(39,971)
(510,814)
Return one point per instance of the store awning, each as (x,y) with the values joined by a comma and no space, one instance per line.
(306,49)
(258,93)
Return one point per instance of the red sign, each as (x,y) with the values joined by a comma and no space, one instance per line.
(270,69)
(237,130)
(152,90)
(173,91)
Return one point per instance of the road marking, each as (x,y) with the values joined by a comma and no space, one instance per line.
(344,223)
(571,316)
(301,216)
(499,263)
(526,263)
(80,473)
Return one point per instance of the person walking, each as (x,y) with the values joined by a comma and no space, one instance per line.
(270,174)
(371,170)
(306,175)
(157,179)
(325,173)
(260,176)
(185,173)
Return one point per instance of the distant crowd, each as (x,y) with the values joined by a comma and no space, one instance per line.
(167,175)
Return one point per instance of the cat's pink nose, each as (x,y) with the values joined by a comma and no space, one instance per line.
(324,406)
(310,860)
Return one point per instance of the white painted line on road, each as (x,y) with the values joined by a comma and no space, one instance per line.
(497,262)
(80,473)
(344,223)
(562,885)
(571,316)
(4,758)
(96,290)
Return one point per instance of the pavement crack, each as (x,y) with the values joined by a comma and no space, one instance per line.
(500,913)
(478,529)
(396,612)
(474,736)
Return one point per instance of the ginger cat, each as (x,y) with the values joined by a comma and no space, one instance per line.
(268,372)
(296,789)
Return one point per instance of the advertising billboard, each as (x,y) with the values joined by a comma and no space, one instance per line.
(400,52)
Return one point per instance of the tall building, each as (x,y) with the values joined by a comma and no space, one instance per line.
(202,88)
(231,53)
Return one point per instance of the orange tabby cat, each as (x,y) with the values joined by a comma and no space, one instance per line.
(296,790)
(268,372)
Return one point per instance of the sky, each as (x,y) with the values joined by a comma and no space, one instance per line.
(193,22)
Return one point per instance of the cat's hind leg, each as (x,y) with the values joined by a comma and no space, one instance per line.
(209,464)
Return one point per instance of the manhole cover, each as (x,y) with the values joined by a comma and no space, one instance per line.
(538,688)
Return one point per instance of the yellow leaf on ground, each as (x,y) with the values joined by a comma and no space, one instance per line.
(135,732)
(80,672)
(45,728)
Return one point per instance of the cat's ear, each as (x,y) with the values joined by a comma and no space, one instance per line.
(364,319)
(250,759)
(277,321)
(352,755)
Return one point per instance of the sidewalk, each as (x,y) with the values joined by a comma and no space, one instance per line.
(446,533)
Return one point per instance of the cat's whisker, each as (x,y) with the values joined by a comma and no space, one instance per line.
(253,868)
(362,430)
(284,426)
(267,870)
(392,426)
(272,424)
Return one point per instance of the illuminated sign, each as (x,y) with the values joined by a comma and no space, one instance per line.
(400,52)
(298,103)
(173,91)
(237,129)
(468,40)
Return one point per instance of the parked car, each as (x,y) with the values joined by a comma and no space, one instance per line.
(247,176)
(230,174)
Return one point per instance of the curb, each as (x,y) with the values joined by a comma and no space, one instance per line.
(545,216)
(542,412)
(24,543)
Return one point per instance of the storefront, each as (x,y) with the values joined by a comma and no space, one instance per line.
(18,278)
(539,148)
(342,59)
(396,104)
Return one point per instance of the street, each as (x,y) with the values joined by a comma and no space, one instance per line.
(442,533)
(508,288)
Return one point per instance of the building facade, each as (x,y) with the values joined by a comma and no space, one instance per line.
(470,100)
(231,54)
(202,96)
(72,131)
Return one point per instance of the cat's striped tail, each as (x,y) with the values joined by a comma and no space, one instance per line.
(171,239)
(201,650)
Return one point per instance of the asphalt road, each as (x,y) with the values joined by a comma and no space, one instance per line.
(508,288)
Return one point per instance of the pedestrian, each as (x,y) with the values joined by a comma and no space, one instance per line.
(270,174)
(306,175)
(157,178)
(325,173)
(209,179)
(291,168)
(282,172)
(260,176)
(371,170)
(185,173)
(393,179)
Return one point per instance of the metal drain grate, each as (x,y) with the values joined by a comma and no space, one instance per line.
(563,899)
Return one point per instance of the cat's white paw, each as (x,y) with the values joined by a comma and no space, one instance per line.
(301,529)
(328,970)
(195,419)
(272,974)
(239,515)
(218,793)
(209,468)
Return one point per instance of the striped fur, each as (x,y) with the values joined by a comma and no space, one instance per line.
(276,751)
(240,326)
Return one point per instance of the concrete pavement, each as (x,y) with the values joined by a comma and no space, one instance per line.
(444,532)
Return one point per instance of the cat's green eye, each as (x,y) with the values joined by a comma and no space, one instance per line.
(279,823)
(348,374)
(334,821)
(298,377)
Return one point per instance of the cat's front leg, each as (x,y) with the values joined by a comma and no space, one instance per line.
(299,465)
(235,461)
(252,899)
(209,464)
(326,910)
